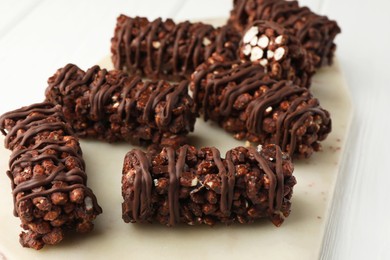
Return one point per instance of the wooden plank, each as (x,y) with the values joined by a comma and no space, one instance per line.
(360,227)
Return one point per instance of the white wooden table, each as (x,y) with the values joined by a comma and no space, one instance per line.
(37,37)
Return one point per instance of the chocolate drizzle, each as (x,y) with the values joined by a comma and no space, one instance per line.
(278,92)
(143,184)
(113,105)
(227,181)
(276,179)
(218,87)
(12,138)
(177,165)
(163,49)
(172,188)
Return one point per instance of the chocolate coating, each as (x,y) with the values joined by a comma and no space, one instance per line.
(165,50)
(316,32)
(198,186)
(47,175)
(244,100)
(113,106)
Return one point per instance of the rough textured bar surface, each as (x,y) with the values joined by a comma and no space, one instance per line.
(316,32)
(112,106)
(198,186)
(245,101)
(278,51)
(47,175)
(166,50)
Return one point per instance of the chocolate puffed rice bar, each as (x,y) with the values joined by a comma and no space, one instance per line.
(167,50)
(47,174)
(278,51)
(244,100)
(199,187)
(113,106)
(316,32)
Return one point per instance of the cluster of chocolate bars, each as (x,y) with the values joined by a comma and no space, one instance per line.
(251,76)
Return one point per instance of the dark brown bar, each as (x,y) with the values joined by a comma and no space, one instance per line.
(316,32)
(113,106)
(199,187)
(278,51)
(165,50)
(47,175)
(242,99)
